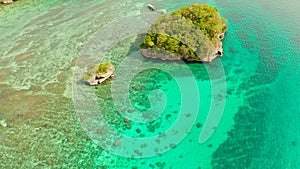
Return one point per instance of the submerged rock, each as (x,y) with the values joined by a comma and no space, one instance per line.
(162,11)
(3,123)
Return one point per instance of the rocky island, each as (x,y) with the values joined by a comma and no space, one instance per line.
(193,33)
(99,73)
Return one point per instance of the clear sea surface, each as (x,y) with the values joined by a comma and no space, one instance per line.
(50,119)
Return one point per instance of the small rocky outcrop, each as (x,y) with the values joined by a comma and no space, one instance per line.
(7,1)
(151,7)
(99,73)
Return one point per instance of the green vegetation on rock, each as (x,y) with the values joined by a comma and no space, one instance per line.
(98,73)
(103,67)
(191,33)
(205,17)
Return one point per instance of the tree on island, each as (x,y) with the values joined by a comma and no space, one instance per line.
(191,33)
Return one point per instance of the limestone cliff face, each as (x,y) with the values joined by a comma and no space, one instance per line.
(218,50)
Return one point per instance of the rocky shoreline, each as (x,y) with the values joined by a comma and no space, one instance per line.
(218,52)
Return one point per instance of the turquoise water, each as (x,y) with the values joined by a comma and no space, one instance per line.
(45,43)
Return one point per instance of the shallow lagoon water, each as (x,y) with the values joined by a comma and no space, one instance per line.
(41,42)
